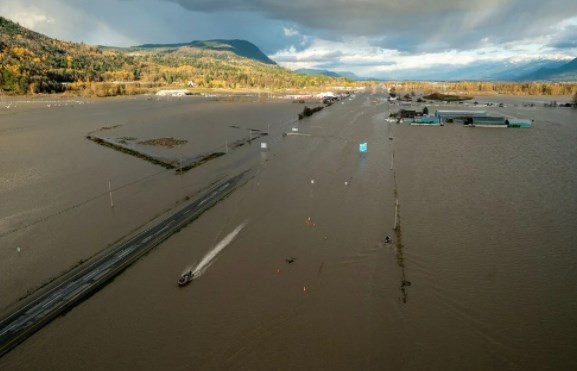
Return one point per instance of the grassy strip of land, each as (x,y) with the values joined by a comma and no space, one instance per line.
(131,152)
(447,97)
(167,165)
(201,161)
(310,111)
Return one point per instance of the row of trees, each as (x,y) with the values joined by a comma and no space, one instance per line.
(483,88)
(27,73)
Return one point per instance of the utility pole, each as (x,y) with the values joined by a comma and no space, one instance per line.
(396,214)
(226,146)
(110,194)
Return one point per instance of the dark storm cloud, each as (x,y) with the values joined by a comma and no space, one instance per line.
(446,23)
(379,37)
(132,22)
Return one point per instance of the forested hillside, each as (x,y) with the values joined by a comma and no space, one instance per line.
(33,63)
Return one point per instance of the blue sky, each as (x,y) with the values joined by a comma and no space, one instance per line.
(379,38)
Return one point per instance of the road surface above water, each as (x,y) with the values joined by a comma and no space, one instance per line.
(83,281)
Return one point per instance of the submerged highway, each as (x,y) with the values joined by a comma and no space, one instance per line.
(51,301)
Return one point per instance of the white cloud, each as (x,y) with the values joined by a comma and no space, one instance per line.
(290,32)
(359,56)
(30,20)
(65,21)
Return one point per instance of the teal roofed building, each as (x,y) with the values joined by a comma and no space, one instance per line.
(490,121)
(519,123)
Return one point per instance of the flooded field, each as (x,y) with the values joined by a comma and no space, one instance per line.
(484,277)
(54,182)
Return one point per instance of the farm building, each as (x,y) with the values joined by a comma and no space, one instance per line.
(458,116)
(489,121)
(519,123)
(423,121)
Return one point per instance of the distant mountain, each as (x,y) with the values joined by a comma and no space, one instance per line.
(242,48)
(352,76)
(476,71)
(515,71)
(312,71)
(566,72)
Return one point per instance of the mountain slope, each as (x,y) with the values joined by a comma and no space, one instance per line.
(566,72)
(312,71)
(476,71)
(344,74)
(32,62)
(241,48)
(355,77)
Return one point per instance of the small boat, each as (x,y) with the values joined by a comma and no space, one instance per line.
(186,278)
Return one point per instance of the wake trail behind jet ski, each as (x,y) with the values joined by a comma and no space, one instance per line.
(208,259)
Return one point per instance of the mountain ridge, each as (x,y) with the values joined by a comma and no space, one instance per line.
(32,63)
(242,48)
(566,72)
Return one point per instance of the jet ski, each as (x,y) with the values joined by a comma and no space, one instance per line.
(186,278)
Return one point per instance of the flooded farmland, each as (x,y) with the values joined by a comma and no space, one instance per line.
(484,278)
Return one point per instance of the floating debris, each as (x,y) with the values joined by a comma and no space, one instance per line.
(290,260)
(309,222)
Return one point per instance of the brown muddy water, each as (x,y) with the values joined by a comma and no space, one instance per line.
(488,224)
(54,182)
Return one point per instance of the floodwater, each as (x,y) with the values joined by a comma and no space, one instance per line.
(55,205)
(484,278)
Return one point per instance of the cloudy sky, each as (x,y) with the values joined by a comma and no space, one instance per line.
(377,38)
